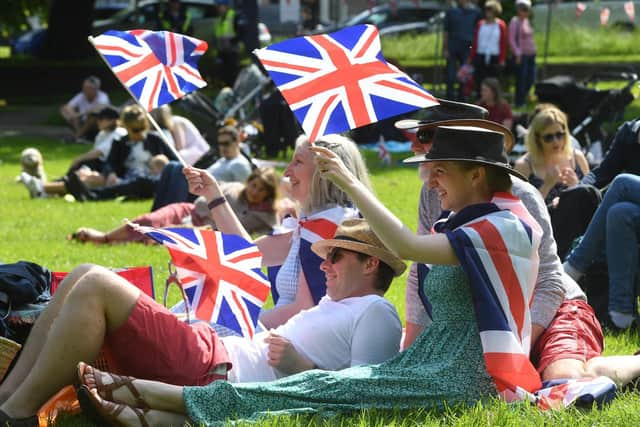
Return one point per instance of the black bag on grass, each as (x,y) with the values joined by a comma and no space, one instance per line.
(23,283)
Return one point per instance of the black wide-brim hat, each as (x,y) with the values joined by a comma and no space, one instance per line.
(444,110)
(465,143)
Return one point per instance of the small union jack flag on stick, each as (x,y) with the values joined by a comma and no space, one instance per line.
(340,81)
(220,274)
(156,67)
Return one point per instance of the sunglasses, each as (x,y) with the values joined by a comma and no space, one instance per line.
(550,137)
(425,136)
(224,143)
(336,254)
(137,130)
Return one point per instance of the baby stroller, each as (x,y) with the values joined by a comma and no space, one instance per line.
(240,103)
(590,110)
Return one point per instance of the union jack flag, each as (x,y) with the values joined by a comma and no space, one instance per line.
(220,274)
(498,250)
(340,81)
(156,66)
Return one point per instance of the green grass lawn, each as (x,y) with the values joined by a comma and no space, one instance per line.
(36,230)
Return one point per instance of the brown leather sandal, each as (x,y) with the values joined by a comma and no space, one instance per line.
(106,390)
(103,412)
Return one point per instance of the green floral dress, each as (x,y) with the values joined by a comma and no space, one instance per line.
(445,364)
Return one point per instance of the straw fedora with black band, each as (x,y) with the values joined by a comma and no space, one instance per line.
(356,235)
(476,144)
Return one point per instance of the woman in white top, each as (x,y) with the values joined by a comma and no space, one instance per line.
(185,136)
(489,48)
(299,283)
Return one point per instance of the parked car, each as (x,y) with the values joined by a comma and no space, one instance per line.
(433,24)
(384,15)
(146,14)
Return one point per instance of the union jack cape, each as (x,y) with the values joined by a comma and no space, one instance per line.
(497,246)
(220,274)
(318,226)
(157,67)
(339,81)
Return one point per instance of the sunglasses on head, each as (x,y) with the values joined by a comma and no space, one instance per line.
(550,137)
(335,254)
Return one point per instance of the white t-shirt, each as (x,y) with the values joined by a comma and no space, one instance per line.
(237,169)
(82,105)
(334,335)
(138,161)
(489,39)
(194,143)
(104,140)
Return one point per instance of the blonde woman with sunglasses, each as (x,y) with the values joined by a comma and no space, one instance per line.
(555,168)
(551,164)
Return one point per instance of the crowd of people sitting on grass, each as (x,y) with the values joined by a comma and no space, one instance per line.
(548,209)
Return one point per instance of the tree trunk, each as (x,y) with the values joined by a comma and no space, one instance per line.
(69,26)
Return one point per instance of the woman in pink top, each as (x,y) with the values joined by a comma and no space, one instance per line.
(523,48)
(489,49)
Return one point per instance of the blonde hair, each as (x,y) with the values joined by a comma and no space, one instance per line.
(495,6)
(133,116)
(545,118)
(323,192)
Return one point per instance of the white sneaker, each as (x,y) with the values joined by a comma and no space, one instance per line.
(33,184)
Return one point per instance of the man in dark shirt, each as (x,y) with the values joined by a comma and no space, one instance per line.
(459,26)
(623,156)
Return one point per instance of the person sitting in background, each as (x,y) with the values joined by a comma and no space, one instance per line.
(555,168)
(186,137)
(254,203)
(128,167)
(76,111)
(491,99)
(614,231)
(110,130)
(232,166)
(352,325)
(88,166)
(622,156)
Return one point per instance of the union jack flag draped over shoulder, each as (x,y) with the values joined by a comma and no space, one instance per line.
(220,274)
(498,250)
(340,81)
(156,66)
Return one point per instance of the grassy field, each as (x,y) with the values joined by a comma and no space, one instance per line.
(36,230)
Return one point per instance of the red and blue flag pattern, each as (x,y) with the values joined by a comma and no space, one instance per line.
(499,253)
(220,274)
(157,67)
(340,81)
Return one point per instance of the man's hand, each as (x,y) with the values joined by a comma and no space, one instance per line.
(284,356)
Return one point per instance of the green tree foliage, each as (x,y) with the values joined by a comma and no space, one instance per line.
(15,13)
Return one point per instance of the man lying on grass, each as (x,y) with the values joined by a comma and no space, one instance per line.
(94,307)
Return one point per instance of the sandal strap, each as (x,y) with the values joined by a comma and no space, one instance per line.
(106,390)
(140,413)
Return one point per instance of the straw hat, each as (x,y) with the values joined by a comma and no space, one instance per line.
(356,235)
(477,144)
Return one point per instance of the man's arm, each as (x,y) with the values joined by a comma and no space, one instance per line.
(550,289)
(614,160)
(283,356)
(377,334)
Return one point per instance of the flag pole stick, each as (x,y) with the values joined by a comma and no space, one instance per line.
(149,117)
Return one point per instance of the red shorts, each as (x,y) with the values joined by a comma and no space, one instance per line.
(574,333)
(154,344)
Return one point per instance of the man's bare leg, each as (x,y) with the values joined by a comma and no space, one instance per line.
(621,369)
(99,302)
(39,332)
